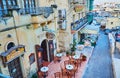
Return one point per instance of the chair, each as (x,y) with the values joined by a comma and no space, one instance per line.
(41,74)
(71,59)
(63,70)
(79,61)
(71,74)
(66,62)
(45,63)
(57,75)
(55,59)
(75,66)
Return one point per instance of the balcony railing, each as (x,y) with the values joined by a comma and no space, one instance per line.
(79,23)
(46,11)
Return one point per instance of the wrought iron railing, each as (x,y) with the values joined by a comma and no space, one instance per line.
(36,10)
(79,23)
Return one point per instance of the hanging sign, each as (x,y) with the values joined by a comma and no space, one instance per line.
(78,8)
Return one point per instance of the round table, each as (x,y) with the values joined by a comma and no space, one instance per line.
(69,67)
(44,69)
(76,57)
(59,54)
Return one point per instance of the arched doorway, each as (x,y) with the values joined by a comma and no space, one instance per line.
(48,50)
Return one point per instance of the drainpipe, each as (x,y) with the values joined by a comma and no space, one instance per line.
(15,30)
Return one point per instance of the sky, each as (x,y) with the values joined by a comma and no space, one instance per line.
(102,1)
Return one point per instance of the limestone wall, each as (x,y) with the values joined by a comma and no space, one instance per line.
(112,42)
(112,22)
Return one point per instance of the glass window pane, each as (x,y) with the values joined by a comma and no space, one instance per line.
(9,2)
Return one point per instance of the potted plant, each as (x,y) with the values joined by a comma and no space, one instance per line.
(67,53)
(72,46)
(84,58)
(72,53)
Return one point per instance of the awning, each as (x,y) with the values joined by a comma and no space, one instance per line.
(90,29)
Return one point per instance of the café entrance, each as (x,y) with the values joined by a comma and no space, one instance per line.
(15,68)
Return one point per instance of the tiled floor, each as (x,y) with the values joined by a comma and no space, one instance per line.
(55,67)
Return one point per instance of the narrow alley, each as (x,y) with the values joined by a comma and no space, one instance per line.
(100,63)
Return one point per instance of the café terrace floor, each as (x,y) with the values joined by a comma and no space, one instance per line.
(56,67)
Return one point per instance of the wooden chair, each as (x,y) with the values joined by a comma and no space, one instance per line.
(63,71)
(66,62)
(55,59)
(79,61)
(41,74)
(45,63)
(57,75)
(71,73)
(74,62)
(71,59)
(75,65)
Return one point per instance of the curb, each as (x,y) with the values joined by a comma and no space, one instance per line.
(113,68)
(87,63)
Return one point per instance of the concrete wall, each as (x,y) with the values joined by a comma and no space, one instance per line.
(112,42)
(118,45)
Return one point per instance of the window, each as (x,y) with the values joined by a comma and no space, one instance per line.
(29,6)
(73,17)
(10,45)
(79,15)
(32,58)
(0,70)
(7,4)
(62,19)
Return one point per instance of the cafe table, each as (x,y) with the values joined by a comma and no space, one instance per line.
(59,55)
(44,69)
(69,67)
(76,57)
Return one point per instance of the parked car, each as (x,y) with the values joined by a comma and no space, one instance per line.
(117,35)
(107,31)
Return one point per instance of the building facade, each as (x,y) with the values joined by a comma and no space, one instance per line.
(31,31)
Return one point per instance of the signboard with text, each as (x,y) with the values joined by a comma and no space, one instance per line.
(12,53)
(15,53)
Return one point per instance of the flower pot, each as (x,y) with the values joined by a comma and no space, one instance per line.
(84,58)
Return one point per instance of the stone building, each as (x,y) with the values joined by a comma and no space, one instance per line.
(32,30)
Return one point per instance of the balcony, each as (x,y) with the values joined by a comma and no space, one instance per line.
(79,24)
(45,11)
